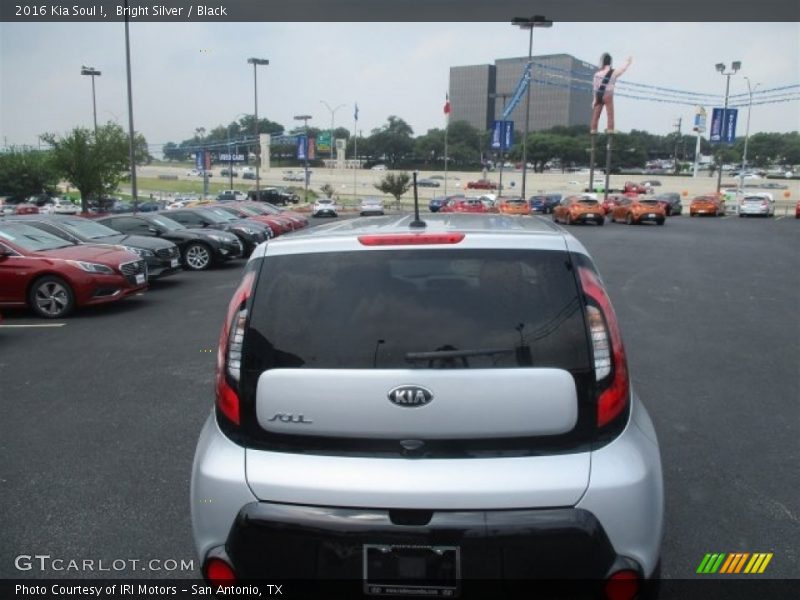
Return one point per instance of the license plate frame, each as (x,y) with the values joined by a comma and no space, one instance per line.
(398,569)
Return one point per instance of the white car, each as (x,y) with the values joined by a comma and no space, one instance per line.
(237,195)
(325,207)
(379,168)
(198,173)
(62,206)
(371,206)
(755,204)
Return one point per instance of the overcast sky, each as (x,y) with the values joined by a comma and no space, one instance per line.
(188,75)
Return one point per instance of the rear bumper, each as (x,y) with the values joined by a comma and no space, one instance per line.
(281,541)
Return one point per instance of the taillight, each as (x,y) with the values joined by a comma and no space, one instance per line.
(219,573)
(410,239)
(622,585)
(229,351)
(610,364)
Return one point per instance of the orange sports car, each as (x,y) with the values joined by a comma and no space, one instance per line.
(709,204)
(638,210)
(513,206)
(579,209)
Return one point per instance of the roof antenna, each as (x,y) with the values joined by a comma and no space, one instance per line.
(416,223)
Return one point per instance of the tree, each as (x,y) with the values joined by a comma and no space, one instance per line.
(172,151)
(392,141)
(26,173)
(94,164)
(395,184)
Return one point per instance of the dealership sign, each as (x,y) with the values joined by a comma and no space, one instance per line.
(723,126)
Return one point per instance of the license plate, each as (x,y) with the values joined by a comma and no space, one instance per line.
(174,262)
(431,571)
(140,279)
(590,215)
(651,216)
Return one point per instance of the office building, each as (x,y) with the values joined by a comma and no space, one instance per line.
(560,92)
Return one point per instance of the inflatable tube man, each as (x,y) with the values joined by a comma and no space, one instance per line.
(603,96)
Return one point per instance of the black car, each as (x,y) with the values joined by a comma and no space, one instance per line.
(672,203)
(544,203)
(199,248)
(162,256)
(250,233)
(277,196)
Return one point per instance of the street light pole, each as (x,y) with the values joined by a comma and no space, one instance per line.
(333,112)
(528,23)
(255,62)
(747,130)
(92,72)
(735,66)
(134,190)
(305,119)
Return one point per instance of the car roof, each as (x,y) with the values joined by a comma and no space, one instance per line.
(482,230)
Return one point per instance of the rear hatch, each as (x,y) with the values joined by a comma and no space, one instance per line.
(363,360)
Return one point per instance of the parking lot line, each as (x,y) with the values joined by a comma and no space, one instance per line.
(38,325)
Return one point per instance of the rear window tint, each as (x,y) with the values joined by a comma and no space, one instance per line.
(401,309)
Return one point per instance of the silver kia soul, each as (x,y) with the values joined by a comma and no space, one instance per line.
(420,409)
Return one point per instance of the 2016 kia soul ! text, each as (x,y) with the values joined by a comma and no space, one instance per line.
(451,405)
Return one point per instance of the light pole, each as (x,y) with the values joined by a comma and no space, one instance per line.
(735,66)
(333,112)
(92,72)
(255,62)
(747,130)
(201,133)
(134,189)
(230,149)
(528,23)
(305,119)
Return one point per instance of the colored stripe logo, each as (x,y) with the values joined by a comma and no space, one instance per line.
(735,562)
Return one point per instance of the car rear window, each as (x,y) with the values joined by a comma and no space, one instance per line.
(420,308)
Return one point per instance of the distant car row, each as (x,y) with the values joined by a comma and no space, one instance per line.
(54,263)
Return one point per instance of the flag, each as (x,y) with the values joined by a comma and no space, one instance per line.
(355,112)
(447,105)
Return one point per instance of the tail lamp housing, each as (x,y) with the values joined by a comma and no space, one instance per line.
(610,362)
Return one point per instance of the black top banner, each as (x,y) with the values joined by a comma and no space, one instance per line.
(400,10)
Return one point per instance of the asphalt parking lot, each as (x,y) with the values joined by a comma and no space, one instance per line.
(101,411)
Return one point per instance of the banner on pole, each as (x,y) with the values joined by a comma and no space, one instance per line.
(302,151)
(700,120)
(723,126)
(502,134)
(324,141)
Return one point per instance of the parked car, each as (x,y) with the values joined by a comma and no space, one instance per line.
(161,256)
(671,203)
(610,202)
(295,176)
(235,195)
(378,168)
(513,206)
(797,210)
(25,208)
(427,182)
(250,234)
(579,209)
(650,183)
(324,207)
(147,206)
(120,207)
(632,187)
(371,206)
(382,488)
(462,204)
(275,225)
(755,204)
(198,173)
(200,248)
(436,203)
(482,184)
(543,203)
(635,211)
(53,276)
(229,172)
(710,204)
(55,206)
(277,196)
(295,219)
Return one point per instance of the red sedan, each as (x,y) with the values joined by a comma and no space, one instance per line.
(797,210)
(53,276)
(460,204)
(25,208)
(278,224)
(265,208)
(482,184)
